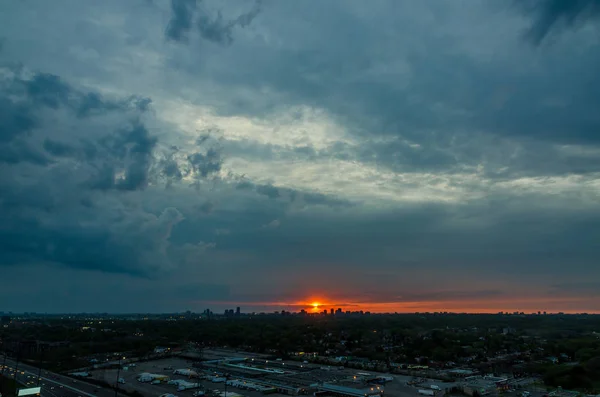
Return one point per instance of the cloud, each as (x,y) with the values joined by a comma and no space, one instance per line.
(181,20)
(586,288)
(58,149)
(83,211)
(557,15)
(88,291)
(52,214)
(268,190)
(220,31)
(389,154)
(205,164)
(274,224)
(215,28)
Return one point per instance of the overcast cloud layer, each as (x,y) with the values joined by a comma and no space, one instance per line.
(394,155)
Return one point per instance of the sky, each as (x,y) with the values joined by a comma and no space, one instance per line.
(392,156)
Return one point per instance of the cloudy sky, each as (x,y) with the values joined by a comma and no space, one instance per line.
(393,155)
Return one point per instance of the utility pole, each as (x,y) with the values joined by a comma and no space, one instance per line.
(18,356)
(226,380)
(200,367)
(40,365)
(118,376)
(3,364)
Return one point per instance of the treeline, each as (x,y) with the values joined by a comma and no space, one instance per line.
(386,338)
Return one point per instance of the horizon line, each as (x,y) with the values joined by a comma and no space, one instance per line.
(320,312)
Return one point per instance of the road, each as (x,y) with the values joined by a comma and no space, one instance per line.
(53,384)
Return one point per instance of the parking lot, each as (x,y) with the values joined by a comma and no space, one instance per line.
(293,374)
(161,367)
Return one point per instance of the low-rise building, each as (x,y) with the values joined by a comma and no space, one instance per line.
(351,391)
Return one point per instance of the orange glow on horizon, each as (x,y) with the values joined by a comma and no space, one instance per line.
(568,305)
(315,306)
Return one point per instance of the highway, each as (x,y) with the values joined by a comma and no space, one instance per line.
(53,384)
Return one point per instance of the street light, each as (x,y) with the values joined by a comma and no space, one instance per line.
(118,375)
(40,364)
(226,380)
(18,357)
(3,365)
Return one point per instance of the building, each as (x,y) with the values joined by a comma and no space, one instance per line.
(560,392)
(351,390)
(238,311)
(484,385)
(186,372)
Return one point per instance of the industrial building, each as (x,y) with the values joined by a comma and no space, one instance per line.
(186,372)
(148,377)
(484,385)
(349,391)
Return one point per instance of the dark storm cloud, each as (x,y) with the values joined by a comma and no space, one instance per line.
(514,100)
(50,214)
(207,163)
(181,20)
(244,185)
(92,291)
(15,119)
(481,239)
(19,151)
(47,89)
(207,207)
(141,146)
(268,190)
(292,197)
(78,213)
(321,199)
(58,149)
(557,15)
(171,169)
(219,30)
(455,153)
(204,162)
(211,25)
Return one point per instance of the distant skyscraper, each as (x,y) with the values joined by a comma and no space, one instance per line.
(237,311)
